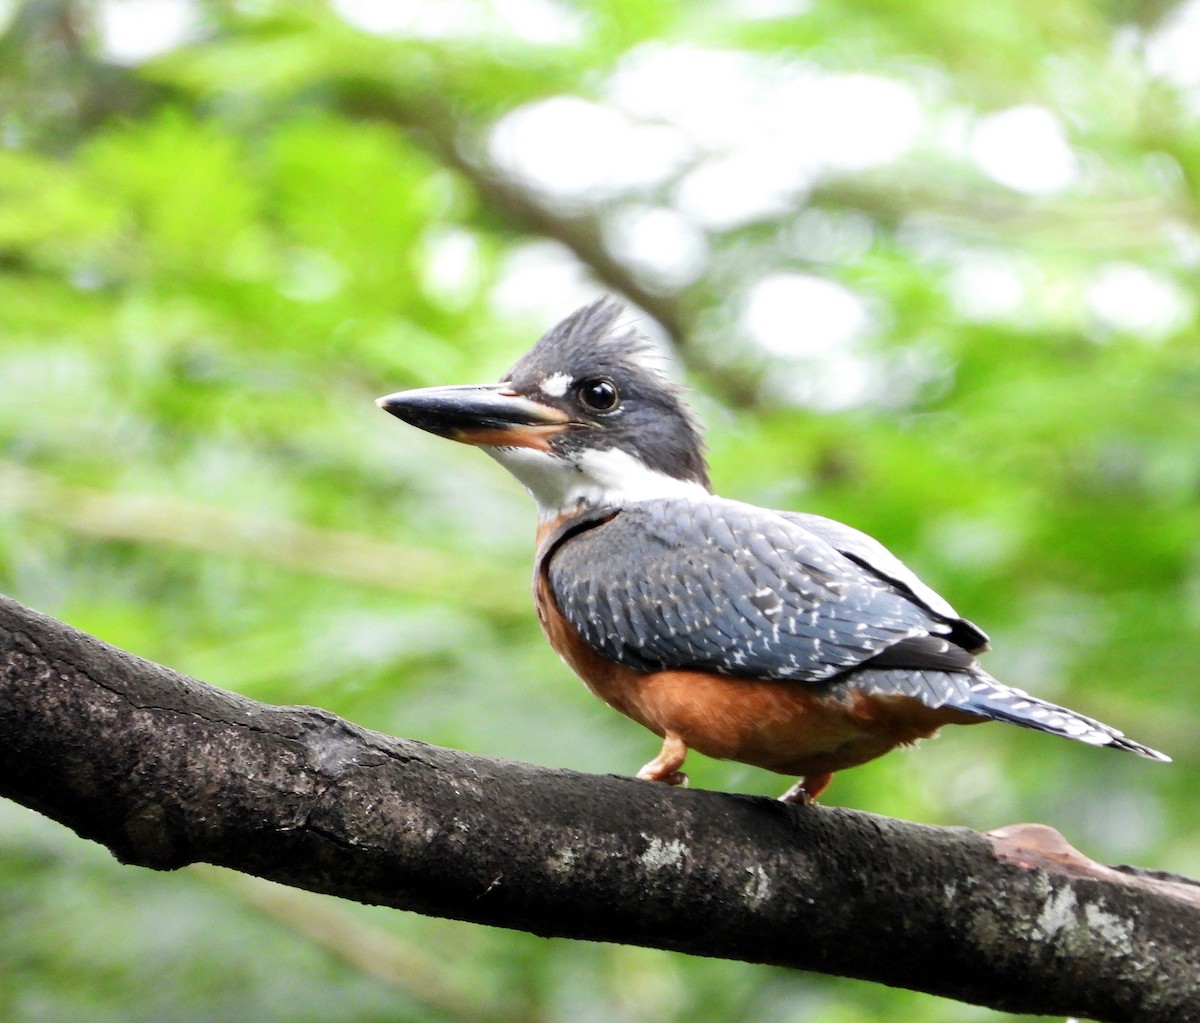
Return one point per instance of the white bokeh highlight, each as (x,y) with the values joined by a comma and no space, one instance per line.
(812,325)
(764,130)
(451,268)
(985,287)
(1025,148)
(660,243)
(1129,298)
(134,31)
(795,315)
(573,149)
(542,282)
(541,22)
(1173,49)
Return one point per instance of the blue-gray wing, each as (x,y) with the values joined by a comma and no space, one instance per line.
(723,586)
(876,559)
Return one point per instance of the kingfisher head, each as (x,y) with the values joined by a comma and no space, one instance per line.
(585,419)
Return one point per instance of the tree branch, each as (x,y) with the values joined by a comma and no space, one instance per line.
(164,771)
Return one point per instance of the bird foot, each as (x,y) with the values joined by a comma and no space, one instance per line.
(806,790)
(665,766)
(648,773)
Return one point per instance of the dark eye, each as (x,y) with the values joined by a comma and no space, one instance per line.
(599,395)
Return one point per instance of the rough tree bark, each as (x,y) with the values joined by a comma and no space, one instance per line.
(165,770)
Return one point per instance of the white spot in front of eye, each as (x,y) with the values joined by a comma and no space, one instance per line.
(555,385)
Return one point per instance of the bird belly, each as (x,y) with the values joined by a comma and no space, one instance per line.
(800,728)
(789,727)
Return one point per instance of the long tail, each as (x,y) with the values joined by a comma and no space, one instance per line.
(995,700)
(976,692)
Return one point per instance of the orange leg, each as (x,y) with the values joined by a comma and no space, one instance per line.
(806,790)
(665,767)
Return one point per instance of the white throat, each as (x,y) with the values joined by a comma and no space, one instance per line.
(589,479)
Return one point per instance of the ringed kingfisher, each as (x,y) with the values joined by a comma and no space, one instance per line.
(776,638)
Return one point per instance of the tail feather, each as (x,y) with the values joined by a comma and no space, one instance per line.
(995,700)
(976,692)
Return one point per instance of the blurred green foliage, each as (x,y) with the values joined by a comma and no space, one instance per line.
(214,256)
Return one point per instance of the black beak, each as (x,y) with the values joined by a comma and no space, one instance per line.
(489,414)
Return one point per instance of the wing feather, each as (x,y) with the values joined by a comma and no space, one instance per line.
(728,587)
(882,563)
